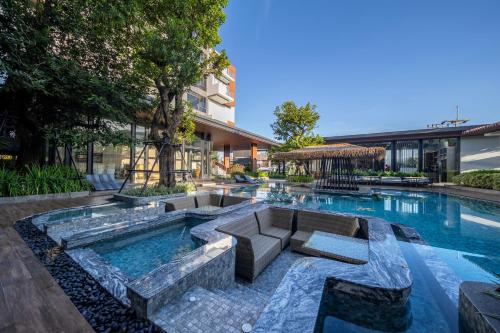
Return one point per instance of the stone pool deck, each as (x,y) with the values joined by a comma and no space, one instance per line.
(30,299)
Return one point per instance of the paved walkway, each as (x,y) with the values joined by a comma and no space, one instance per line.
(30,299)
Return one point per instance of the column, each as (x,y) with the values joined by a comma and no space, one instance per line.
(133,134)
(253,156)
(67,154)
(227,156)
(420,155)
(393,156)
(90,158)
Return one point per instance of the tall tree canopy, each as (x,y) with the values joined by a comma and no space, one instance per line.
(294,125)
(67,70)
(77,69)
(174,48)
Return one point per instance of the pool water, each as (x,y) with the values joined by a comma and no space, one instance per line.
(139,253)
(428,308)
(465,233)
(91,212)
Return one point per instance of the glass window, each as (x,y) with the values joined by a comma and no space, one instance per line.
(113,160)
(407,156)
(198,102)
(202,84)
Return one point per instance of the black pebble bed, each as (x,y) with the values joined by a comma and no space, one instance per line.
(96,304)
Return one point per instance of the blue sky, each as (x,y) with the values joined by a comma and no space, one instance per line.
(368,65)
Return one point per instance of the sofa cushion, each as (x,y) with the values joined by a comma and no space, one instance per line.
(211,199)
(180,203)
(232,200)
(265,250)
(282,234)
(275,217)
(336,224)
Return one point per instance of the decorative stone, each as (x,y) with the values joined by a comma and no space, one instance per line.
(192,299)
(247,328)
(476,309)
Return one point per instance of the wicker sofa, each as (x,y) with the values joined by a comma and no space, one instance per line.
(276,222)
(254,251)
(308,222)
(202,201)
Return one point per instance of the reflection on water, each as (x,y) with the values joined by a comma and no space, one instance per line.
(340,312)
(443,221)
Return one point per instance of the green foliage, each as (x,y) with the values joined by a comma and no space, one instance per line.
(34,180)
(294,126)
(299,178)
(262,174)
(68,71)
(277,175)
(159,190)
(236,169)
(173,45)
(359,172)
(487,179)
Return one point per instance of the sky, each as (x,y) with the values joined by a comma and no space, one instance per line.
(368,66)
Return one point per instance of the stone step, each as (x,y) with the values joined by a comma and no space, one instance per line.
(201,310)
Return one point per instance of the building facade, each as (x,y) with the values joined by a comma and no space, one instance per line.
(213,101)
(438,152)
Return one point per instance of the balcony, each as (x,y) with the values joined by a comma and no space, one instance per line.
(226,76)
(218,92)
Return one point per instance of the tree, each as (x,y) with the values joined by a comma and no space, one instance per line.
(294,126)
(68,73)
(174,48)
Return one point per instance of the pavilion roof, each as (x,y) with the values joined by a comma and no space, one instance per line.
(333,150)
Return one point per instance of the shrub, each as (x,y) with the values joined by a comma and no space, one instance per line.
(34,180)
(277,175)
(262,174)
(236,169)
(300,178)
(151,191)
(487,179)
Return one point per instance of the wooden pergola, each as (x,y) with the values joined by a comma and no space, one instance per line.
(335,163)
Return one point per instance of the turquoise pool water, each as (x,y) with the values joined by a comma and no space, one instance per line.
(139,253)
(465,233)
(94,211)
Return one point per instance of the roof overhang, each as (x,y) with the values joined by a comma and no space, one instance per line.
(223,134)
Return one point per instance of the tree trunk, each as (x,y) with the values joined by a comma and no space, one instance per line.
(167,166)
(31,147)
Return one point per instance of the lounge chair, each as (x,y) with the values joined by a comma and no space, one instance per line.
(96,182)
(276,222)
(254,251)
(239,179)
(308,222)
(251,180)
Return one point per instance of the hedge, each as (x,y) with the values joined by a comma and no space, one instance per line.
(152,191)
(299,178)
(487,179)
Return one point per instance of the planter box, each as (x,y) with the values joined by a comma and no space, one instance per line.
(40,197)
(475,306)
(144,200)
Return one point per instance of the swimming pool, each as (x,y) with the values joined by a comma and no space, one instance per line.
(139,253)
(464,232)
